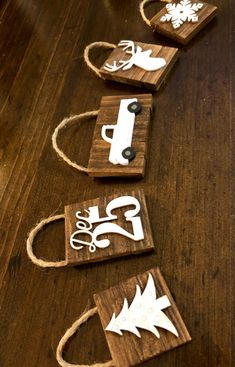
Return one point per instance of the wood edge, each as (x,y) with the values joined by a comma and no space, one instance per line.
(66,229)
(142,193)
(170,67)
(98,174)
(108,257)
(124,80)
(121,96)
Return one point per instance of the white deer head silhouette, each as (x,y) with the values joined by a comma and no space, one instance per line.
(140,58)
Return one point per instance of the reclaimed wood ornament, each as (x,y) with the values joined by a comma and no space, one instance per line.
(135,63)
(119,146)
(101,229)
(180,20)
(140,320)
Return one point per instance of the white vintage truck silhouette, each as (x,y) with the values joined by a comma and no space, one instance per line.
(121,140)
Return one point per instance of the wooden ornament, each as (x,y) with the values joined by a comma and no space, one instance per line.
(122,152)
(182,20)
(140,319)
(105,228)
(140,64)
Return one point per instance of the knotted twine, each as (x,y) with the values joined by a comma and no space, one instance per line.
(69,333)
(61,126)
(142,6)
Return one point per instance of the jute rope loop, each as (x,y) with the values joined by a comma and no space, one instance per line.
(87,53)
(30,240)
(62,125)
(69,333)
(142,7)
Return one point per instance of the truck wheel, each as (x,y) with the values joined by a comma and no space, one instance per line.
(134,107)
(129,153)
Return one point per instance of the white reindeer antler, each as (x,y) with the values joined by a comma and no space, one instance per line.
(115,67)
(127,44)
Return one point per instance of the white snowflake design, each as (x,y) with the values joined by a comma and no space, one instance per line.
(181,12)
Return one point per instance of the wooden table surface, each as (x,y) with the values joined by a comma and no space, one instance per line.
(188,179)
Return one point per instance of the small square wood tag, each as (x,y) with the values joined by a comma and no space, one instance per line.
(132,313)
(136,72)
(104,228)
(186,30)
(128,132)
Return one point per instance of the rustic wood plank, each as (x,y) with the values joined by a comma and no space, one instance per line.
(187,30)
(129,350)
(99,164)
(119,245)
(137,76)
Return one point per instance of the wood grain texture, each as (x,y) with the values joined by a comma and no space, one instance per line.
(129,350)
(119,245)
(99,165)
(137,76)
(188,182)
(188,29)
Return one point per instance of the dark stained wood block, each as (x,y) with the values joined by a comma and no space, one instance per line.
(129,350)
(137,76)
(120,245)
(187,30)
(99,165)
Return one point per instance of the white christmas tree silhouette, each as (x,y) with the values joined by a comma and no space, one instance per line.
(145,312)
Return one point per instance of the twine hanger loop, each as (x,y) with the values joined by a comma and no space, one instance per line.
(87,55)
(64,123)
(69,333)
(30,240)
(143,5)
